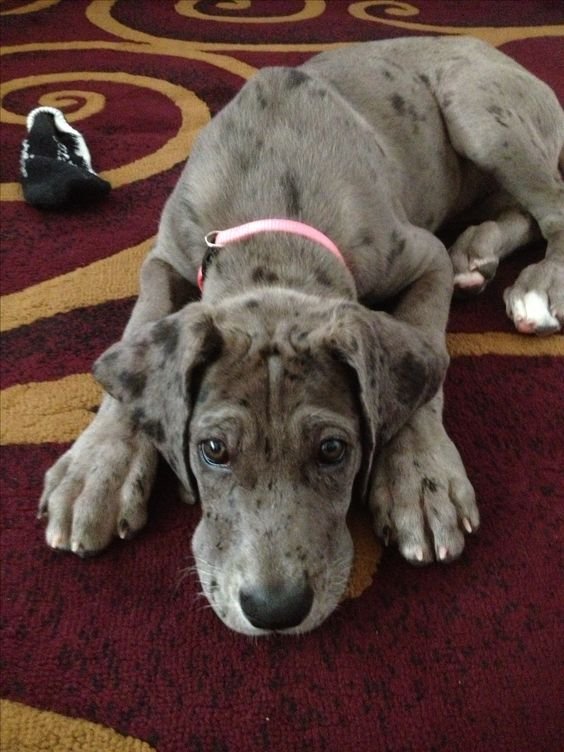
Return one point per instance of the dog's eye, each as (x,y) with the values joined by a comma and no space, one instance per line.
(214,452)
(331,451)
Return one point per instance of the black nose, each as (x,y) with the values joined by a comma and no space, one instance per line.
(276,606)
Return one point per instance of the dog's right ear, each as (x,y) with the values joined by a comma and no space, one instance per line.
(151,372)
(398,367)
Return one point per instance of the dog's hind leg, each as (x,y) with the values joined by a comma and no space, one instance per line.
(510,124)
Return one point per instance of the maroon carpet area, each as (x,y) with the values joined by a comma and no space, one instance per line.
(447,658)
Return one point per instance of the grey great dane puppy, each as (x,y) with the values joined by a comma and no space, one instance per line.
(283,394)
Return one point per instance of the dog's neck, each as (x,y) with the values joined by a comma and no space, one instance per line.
(301,261)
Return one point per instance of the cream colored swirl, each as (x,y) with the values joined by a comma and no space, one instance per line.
(392,13)
(311,9)
(31,7)
(390,8)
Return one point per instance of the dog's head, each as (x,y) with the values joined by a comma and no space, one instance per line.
(270,407)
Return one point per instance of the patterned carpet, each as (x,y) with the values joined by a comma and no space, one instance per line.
(119,652)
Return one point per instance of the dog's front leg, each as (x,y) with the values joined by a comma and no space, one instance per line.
(420,495)
(100,487)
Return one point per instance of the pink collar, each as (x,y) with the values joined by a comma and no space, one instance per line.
(221,238)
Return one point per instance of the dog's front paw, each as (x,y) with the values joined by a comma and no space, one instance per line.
(98,489)
(421,497)
(535,302)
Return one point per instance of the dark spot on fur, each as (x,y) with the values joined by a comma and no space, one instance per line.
(267,448)
(291,376)
(322,278)
(495,109)
(428,484)
(165,334)
(498,113)
(296,78)
(260,275)
(154,430)
(252,303)
(388,74)
(212,347)
(425,79)
(134,383)
(213,341)
(398,103)
(397,247)
(137,416)
(292,193)
(412,379)
(262,100)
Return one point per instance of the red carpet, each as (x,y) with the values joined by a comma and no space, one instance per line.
(464,657)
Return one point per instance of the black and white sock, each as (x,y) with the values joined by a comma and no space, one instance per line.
(55,163)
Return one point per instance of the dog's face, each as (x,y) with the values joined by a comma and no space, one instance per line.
(275,447)
(270,406)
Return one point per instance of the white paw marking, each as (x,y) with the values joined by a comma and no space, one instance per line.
(531,313)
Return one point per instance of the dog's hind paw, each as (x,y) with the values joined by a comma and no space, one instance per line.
(535,303)
(475,257)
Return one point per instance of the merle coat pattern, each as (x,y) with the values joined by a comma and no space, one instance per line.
(283,393)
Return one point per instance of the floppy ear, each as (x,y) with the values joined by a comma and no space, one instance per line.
(151,373)
(398,368)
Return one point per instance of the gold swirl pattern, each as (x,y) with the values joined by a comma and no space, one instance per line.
(99,13)
(92,103)
(492,34)
(32,7)
(312,9)
(195,114)
(112,278)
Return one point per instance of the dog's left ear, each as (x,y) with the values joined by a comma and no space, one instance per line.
(397,366)
(151,372)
